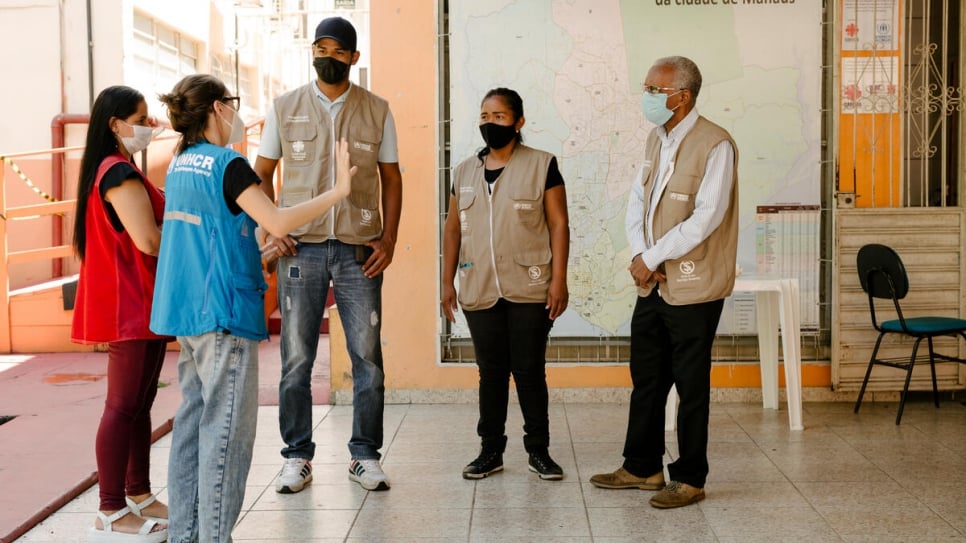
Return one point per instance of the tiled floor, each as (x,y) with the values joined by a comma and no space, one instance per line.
(847,477)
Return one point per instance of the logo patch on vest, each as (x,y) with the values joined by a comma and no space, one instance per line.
(366,217)
(534,272)
(362,146)
(298,150)
(688,270)
(518,206)
(680,196)
(464,226)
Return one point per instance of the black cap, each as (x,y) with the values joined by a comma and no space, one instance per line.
(339,30)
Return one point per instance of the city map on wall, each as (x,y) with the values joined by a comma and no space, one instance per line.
(579,65)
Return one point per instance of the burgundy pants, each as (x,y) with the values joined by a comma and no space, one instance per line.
(123,444)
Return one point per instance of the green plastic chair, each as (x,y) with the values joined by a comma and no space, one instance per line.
(883,276)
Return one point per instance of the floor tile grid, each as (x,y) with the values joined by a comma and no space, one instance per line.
(846,478)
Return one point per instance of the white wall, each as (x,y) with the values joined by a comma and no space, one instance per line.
(30,63)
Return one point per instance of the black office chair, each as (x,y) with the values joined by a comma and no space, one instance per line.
(883,276)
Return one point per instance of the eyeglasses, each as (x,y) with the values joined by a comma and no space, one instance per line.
(652,89)
(234,101)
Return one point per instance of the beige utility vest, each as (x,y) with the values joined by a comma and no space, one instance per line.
(308,136)
(707,272)
(504,238)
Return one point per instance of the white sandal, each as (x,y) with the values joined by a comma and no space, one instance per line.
(108,535)
(136,508)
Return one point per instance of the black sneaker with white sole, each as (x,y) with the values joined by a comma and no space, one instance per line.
(484,465)
(544,466)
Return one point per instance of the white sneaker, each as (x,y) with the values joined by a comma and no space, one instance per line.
(296,473)
(369,474)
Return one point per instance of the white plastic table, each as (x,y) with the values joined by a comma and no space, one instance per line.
(776,304)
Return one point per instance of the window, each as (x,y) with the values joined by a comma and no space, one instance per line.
(161,55)
(932,103)
(902,102)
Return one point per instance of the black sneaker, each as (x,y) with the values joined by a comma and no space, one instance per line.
(545,467)
(485,464)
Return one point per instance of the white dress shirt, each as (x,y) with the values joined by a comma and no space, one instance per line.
(710,202)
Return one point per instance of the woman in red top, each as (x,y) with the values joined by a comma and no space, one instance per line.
(117,233)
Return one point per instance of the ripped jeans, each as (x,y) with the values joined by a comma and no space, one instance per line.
(303,285)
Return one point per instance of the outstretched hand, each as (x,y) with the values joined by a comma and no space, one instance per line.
(343,170)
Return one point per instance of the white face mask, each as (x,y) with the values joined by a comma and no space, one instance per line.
(140,140)
(237,127)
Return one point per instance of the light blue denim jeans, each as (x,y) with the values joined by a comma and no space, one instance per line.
(303,284)
(214,431)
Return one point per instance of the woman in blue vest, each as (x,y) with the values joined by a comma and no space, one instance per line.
(210,294)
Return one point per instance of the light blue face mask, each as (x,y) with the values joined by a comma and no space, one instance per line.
(655,107)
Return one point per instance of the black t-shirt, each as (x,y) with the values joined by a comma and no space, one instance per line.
(239,175)
(553,177)
(113,177)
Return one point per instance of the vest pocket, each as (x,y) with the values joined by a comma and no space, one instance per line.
(466,200)
(364,152)
(363,200)
(299,142)
(463,204)
(364,146)
(535,265)
(675,208)
(363,210)
(295,197)
(528,205)
(248,305)
(470,278)
(689,276)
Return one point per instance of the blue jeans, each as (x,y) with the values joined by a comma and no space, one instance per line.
(214,431)
(303,285)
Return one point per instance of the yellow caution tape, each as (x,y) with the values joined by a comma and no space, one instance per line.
(16,169)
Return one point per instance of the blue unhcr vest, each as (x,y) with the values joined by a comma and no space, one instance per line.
(209,268)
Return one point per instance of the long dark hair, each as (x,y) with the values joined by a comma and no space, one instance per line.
(188,105)
(117,101)
(512,101)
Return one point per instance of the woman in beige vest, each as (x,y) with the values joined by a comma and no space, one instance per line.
(508,236)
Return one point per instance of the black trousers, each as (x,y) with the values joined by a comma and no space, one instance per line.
(670,345)
(511,338)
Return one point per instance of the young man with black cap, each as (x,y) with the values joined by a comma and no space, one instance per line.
(350,245)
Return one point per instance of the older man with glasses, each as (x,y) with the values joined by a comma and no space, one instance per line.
(682,226)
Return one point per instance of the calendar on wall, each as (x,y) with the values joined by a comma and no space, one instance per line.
(787,245)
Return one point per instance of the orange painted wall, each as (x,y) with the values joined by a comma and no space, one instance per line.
(870,146)
(872,171)
(404,50)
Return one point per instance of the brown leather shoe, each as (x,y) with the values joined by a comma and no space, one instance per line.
(624,479)
(677,494)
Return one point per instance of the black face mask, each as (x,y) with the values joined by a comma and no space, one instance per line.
(497,136)
(331,70)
